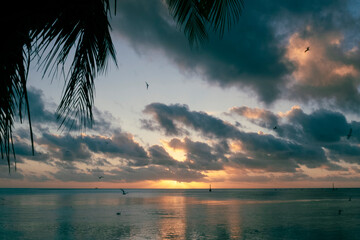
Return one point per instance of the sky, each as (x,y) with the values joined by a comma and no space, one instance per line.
(249,110)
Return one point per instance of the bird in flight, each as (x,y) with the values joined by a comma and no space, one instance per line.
(100,177)
(307,49)
(147,86)
(275,128)
(123,191)
(349,134)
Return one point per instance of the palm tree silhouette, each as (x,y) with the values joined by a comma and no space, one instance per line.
(50,31)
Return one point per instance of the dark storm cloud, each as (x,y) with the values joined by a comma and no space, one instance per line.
(23,151)
(262,151)
(344,151)
(234,60)
(321,125)
(355,131)
(254,54)
(119,145)
(274,152)
(39,114)
(319,129)
(65,147)
(168,116)
(159,156)
(81,148)
(42,117)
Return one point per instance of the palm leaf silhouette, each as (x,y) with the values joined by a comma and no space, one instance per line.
(196,17)
(51,31)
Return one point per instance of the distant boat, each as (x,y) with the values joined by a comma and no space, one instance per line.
(210,188)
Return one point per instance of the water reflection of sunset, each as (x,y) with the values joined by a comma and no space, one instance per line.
(172,220)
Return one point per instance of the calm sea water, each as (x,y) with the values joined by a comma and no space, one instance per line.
(179,214)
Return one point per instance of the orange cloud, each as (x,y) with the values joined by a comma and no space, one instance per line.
(251,113)
(313,67)
(178,154)
(293,108)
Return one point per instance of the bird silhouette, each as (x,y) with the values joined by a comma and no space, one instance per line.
(100,177)
(147,86)
(307,49)
(123,191)
(349,134)
(275,128)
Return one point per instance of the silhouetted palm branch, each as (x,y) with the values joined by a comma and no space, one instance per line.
(195,17)
(51,30)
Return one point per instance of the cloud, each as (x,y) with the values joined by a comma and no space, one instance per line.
(200,155)
(328,73)
(161,157)
(264,52)
(168,116)
(261,117)
(4,173)
(120,144)
(321,125)
(66,147)
(39,114)
(129,174)
(262,151)
(225,62)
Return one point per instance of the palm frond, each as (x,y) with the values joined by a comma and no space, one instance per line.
(86,26)
(51,31)
(14,62)
(195,17)
(225,13)
(189,16)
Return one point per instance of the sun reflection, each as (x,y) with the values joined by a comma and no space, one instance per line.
(172,223)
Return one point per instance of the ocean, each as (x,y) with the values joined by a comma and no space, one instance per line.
(180,214)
